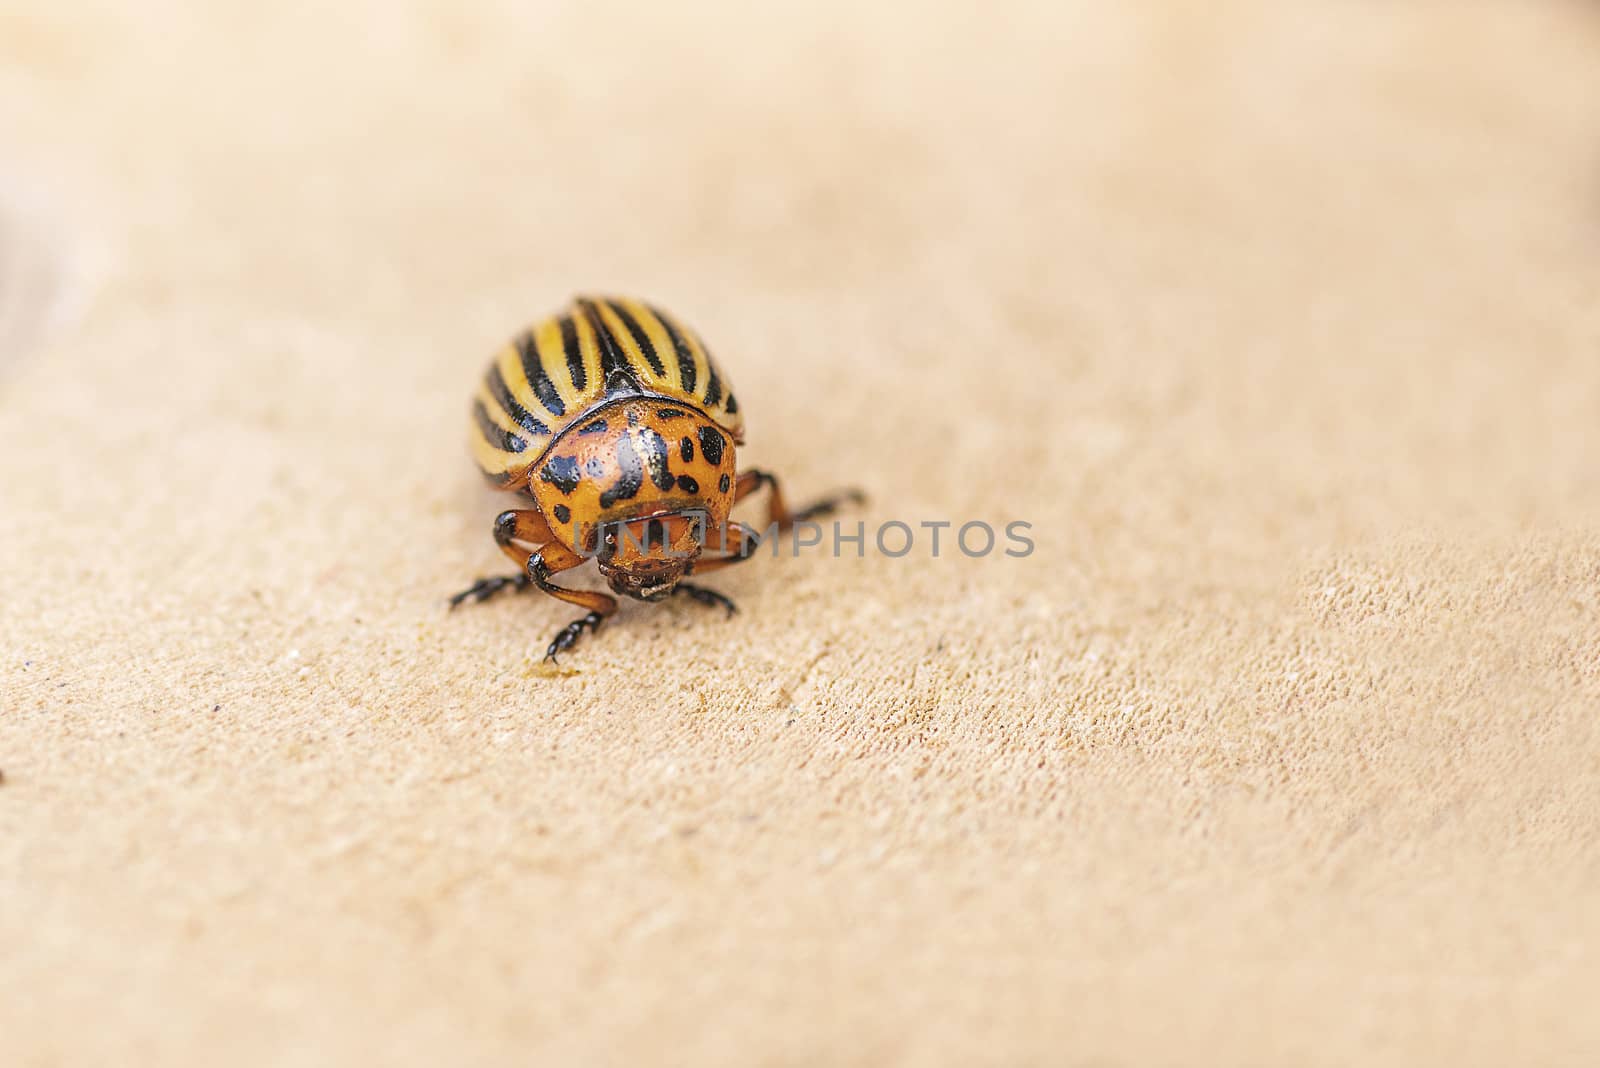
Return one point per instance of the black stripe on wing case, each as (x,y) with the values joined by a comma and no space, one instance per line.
(538,377)
(612,360)
(686,368)
(640,338)
(495,434)
(574,353)
(713,382)
(513,407)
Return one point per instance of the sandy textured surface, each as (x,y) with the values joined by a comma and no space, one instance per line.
(1280,322)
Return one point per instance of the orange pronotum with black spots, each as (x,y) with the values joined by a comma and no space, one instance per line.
(615,421)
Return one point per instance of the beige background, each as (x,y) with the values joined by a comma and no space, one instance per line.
(1278,321)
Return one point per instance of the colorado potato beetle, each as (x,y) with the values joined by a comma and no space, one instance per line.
(615,423)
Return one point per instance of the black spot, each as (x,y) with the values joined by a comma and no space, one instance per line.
(595,468)
(723,483)
(561,472)
(686,450)
(596,427)
(711,445)
(670,413)
(655,533)
(687,484)
(656,457)
(494,434)
(563,514)
(732,405)
(631,477)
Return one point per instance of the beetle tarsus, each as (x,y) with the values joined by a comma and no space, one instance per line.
(569,635)
(829,505)
(706,596)
(486,588)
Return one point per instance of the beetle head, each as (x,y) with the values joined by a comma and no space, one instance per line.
(645,558)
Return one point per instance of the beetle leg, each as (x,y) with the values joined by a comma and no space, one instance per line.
(534,568)
(554,558)
(735,540)
(509,526)
(486,588)
(706,596)
(568,635)
(778,512)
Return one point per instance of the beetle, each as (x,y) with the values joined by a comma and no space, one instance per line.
(616,424)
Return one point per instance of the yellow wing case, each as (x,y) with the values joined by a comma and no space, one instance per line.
(597,349)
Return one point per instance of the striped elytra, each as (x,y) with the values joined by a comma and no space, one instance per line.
(595,351)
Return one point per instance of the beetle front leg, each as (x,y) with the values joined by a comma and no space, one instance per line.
(517,524)
(735,541)
(552,559)
(778,512)
(706,595)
